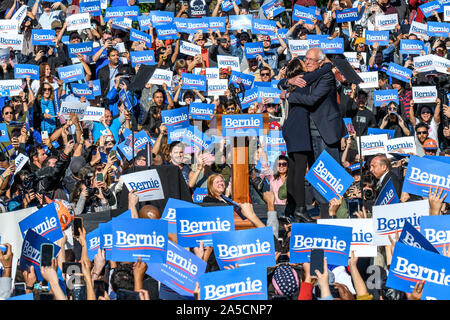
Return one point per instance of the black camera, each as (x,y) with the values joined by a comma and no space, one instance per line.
(368,194)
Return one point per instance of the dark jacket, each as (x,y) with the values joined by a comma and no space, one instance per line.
(103,75)
(395,181)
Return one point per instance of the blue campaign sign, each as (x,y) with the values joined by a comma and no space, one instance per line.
(199,224)
(329,177)
(22,71)
(28,296)
(122,12)
(411,237)
(166,32)
(429,7)
(438,29)
(170,212)
(411,46)
(144,238)
(123,96)
(82,90)
(245,247)
(347,15)
(250,98)
(180,272)
(217,23)
(432,291)
(334,240)
(44,222)
(195,25)
(93,243)
(106,239)
(71,73)
(4,135)
(304,13)
(349,126)
(242,125)
(382,37)
(136,35)
(243,283)
(263,26)
(196,138)
(240,22)
(273,7)
(335,45)
(387,195)
(42,37)
(201,111)
(385,96)
(96,91)
(31,252)
(252,49)
(145,22)
(199,194)
(227,5)
(438,158)
(270,93)
(160,18)
(181,24)
(436,230)
(275,141)
(397,71)
(423,173)
(193,82)
(314,40)
(140,141)
(237,77)
(146,57)
(376,131)
(83,48)
(175,118)
(410,265)
(91,7)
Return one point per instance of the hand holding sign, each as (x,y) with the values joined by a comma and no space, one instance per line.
(435,200)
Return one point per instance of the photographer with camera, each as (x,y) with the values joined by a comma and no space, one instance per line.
(394,121)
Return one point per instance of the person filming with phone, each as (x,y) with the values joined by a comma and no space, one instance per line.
(394,121)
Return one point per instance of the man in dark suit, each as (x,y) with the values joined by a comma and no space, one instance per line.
(108,73)
(326,124)
(380,167)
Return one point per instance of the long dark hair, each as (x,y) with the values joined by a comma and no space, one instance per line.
(294,68)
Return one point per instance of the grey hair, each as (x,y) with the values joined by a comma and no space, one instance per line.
(321,55)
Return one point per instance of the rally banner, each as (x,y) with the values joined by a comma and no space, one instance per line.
(241,125)
(181,270)
(273,8)
(372,145)
(240,22)
(199,194)
(362,235)
(386,22)
(245,247)
(253,49)
(193,82)
(250,98)
(201,111)
(244,78)
(382,37)
(228,61)
(147,184)
(170,212)
(199,224)
(405,145)
(436,230)
(430,7)
(243,283)
(71,73)
(167,32)
(139,238)
(370,79)
(335,46)
(388,219)
(44,222)
(31,252)
(397,71)
(410,265)
(438,29)
(83,48)
(411,237)
(298,47)
(160,18)
(217,23)
(162,76)
(411,46)
(9,26)
(136,35)
(82,90)
(425,94)
(347,15)
(196,138)
(263,26)
(26,70)
(121,12)
(385,96)
(42,37)
(93,8)
(79,21)
(328,177)
(334,240)
(146,57)
(274,141)
(387,195)
(420,29)
(93,243)
(72,107)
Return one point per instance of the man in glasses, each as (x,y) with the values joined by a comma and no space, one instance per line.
(421,136)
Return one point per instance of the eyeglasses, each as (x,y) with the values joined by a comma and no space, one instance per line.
(311,59)
(282,164)
(265,74)
(421,132)
(46,89)
(6,113)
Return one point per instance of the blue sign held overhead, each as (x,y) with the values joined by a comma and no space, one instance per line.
(242,125)
(193,82)
(146,57)
(71,73)
(411,237)
(83,48)
(385,96)
(381,37)
(175,118)
(22,71)
(42,37)
(436,230)
(253,49)
(397,71)
(201,111)
(170,212)
(347,15)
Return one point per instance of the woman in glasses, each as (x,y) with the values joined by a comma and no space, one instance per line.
(276,176)
(394,121)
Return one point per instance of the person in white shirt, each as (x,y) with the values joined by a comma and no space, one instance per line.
(49,13)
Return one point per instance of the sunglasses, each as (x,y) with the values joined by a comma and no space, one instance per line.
(265,74)
(6,113)
(421,132)
(283,164)
(46,89)
(426,112)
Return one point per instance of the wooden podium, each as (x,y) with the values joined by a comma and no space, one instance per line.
(239,169)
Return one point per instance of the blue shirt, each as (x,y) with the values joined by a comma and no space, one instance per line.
(99,130)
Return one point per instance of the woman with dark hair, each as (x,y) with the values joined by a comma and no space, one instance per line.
(276,176)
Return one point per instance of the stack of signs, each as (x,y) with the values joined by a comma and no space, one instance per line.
(243,283)
(245,247)
(147,184)
(423,173)
(388,219)
(329,177)
(362,235)
(181,271)
(334,240)
(200,224)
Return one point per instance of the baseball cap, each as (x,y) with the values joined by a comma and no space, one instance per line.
(56,25)
(360,40)
(430,144)
(425,109)
(274,125)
